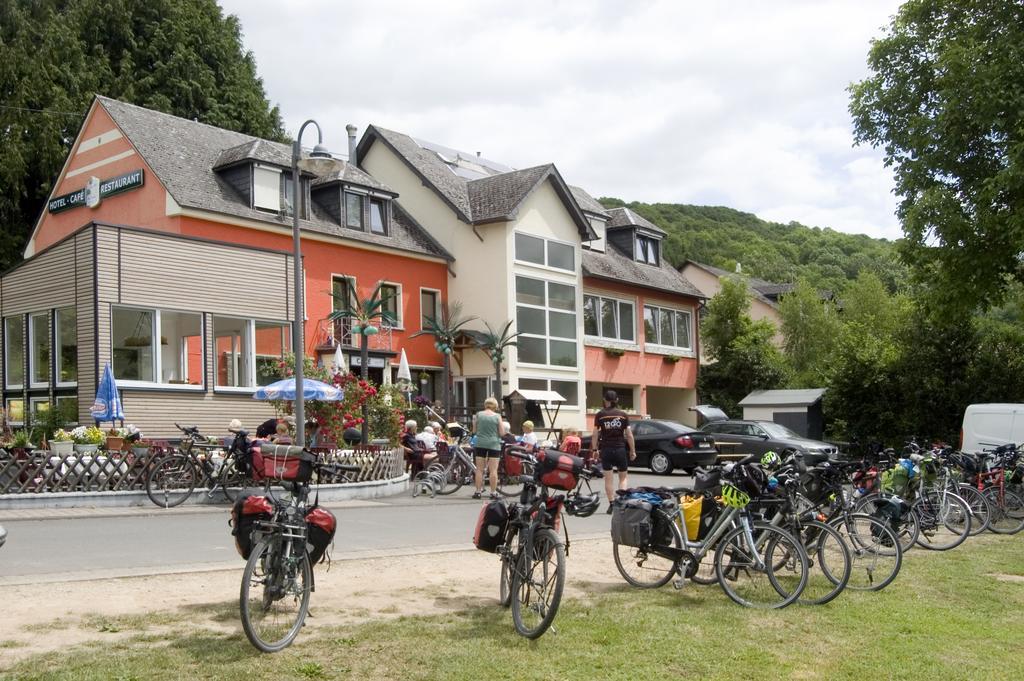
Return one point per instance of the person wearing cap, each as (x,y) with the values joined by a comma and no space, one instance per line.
(613,439)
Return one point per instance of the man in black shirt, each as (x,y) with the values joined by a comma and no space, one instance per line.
(614,440)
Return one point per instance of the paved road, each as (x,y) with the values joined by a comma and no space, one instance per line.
(142,541)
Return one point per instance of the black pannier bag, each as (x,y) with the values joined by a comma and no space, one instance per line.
(491,526)
(631,522)
(320,527)
(661,523)
(247,510)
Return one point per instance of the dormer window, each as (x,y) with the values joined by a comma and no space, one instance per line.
(646,249)
(378,217)
(353,211)
(266,188)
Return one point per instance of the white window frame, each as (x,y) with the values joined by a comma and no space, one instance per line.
(437,310)
(157,358)
(546,242)
(7,353)
(57,361)
(653,243)
(263,189)
(33,383)
(661,348)
(7,410)
(547,309)
(400,321)
(249,349)
(617,340)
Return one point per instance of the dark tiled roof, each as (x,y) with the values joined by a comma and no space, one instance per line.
(624,217)
(256,150)
(587,202)
(484,199)
(350,174)
(448,184)
(615,266)
(497,197)
(183,154)
(753,283)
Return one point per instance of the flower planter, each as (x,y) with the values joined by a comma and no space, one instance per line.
(62,448)
(86,449)
(140,452)
(614,352)
(114,443)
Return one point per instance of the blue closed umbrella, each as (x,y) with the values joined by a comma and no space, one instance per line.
(107,406)
(311,390)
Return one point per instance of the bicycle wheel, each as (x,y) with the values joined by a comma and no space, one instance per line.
(943,519)
(770,573)
(171,480)
(537,584)
(509,558)
(906,526)
(642,568)
(1007,511)
(275,591)
(231,480)
(452,478)
(508,485)
(874,549)
(981,509)
(829,562)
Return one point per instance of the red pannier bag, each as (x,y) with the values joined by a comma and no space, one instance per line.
(513,465)
(282,462)
(558,470)
(491,526)
(247,510)
(320,527)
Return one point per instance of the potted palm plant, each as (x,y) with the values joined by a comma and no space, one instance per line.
(494,343)
(444,331)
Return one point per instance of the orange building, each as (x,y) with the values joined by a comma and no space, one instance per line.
(165,250)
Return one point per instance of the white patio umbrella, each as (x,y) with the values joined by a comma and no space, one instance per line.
(339,361)
(403,368)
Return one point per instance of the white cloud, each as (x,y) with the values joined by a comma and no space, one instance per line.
(740,104)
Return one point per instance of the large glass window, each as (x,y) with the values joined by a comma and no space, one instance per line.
(66,333)
(173,355)
(538,251)
(247,352)
(353,210)
(39,348)
(670,328)
(430,307)
(608,318)
(14,352)
(546,318)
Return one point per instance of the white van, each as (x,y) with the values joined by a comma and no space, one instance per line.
(989,425)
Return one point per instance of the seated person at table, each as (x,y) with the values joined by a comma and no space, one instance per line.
(508,438)
(281,435)
(529,437)
(571,443)
(429,438)
(416,455)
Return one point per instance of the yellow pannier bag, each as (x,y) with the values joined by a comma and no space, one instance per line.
(691,515)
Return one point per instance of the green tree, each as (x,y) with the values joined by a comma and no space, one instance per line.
(945,102)
(810,326)
(364,313)
(746,358)
(182,57)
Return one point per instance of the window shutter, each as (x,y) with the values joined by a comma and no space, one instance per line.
(267,189)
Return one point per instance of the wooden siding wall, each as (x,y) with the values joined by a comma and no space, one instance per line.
(155,412)
(85,298)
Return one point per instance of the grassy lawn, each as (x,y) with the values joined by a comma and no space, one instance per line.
(947,616)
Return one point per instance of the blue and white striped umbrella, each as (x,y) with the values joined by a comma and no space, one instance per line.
(311,390)
(107,406)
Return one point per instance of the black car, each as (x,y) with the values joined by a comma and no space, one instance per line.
(664,446)
(758,437)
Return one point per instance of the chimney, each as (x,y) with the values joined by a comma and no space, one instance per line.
(351,129)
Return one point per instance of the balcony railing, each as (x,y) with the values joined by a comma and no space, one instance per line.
(332,332)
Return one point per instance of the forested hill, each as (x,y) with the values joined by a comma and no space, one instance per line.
(770,250)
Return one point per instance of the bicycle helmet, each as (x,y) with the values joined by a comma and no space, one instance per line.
(732,496)
(771,460)
(582,505)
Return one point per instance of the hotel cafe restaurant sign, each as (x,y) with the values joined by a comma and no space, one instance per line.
(96,190)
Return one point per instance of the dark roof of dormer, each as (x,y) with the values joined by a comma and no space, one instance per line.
(183,154)
(350,174)
(626,217)
(588,204)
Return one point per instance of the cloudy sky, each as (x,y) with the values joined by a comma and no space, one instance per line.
(737,103)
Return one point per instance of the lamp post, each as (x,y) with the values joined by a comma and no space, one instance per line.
(319,162)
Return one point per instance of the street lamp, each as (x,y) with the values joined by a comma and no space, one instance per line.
(319,162)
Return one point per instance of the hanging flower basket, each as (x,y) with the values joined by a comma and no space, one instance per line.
(671,359)
(614,352)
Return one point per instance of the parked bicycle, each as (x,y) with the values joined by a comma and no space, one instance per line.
(757,564)
(525,535)
(278,576)
(3,535)
(174,477)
